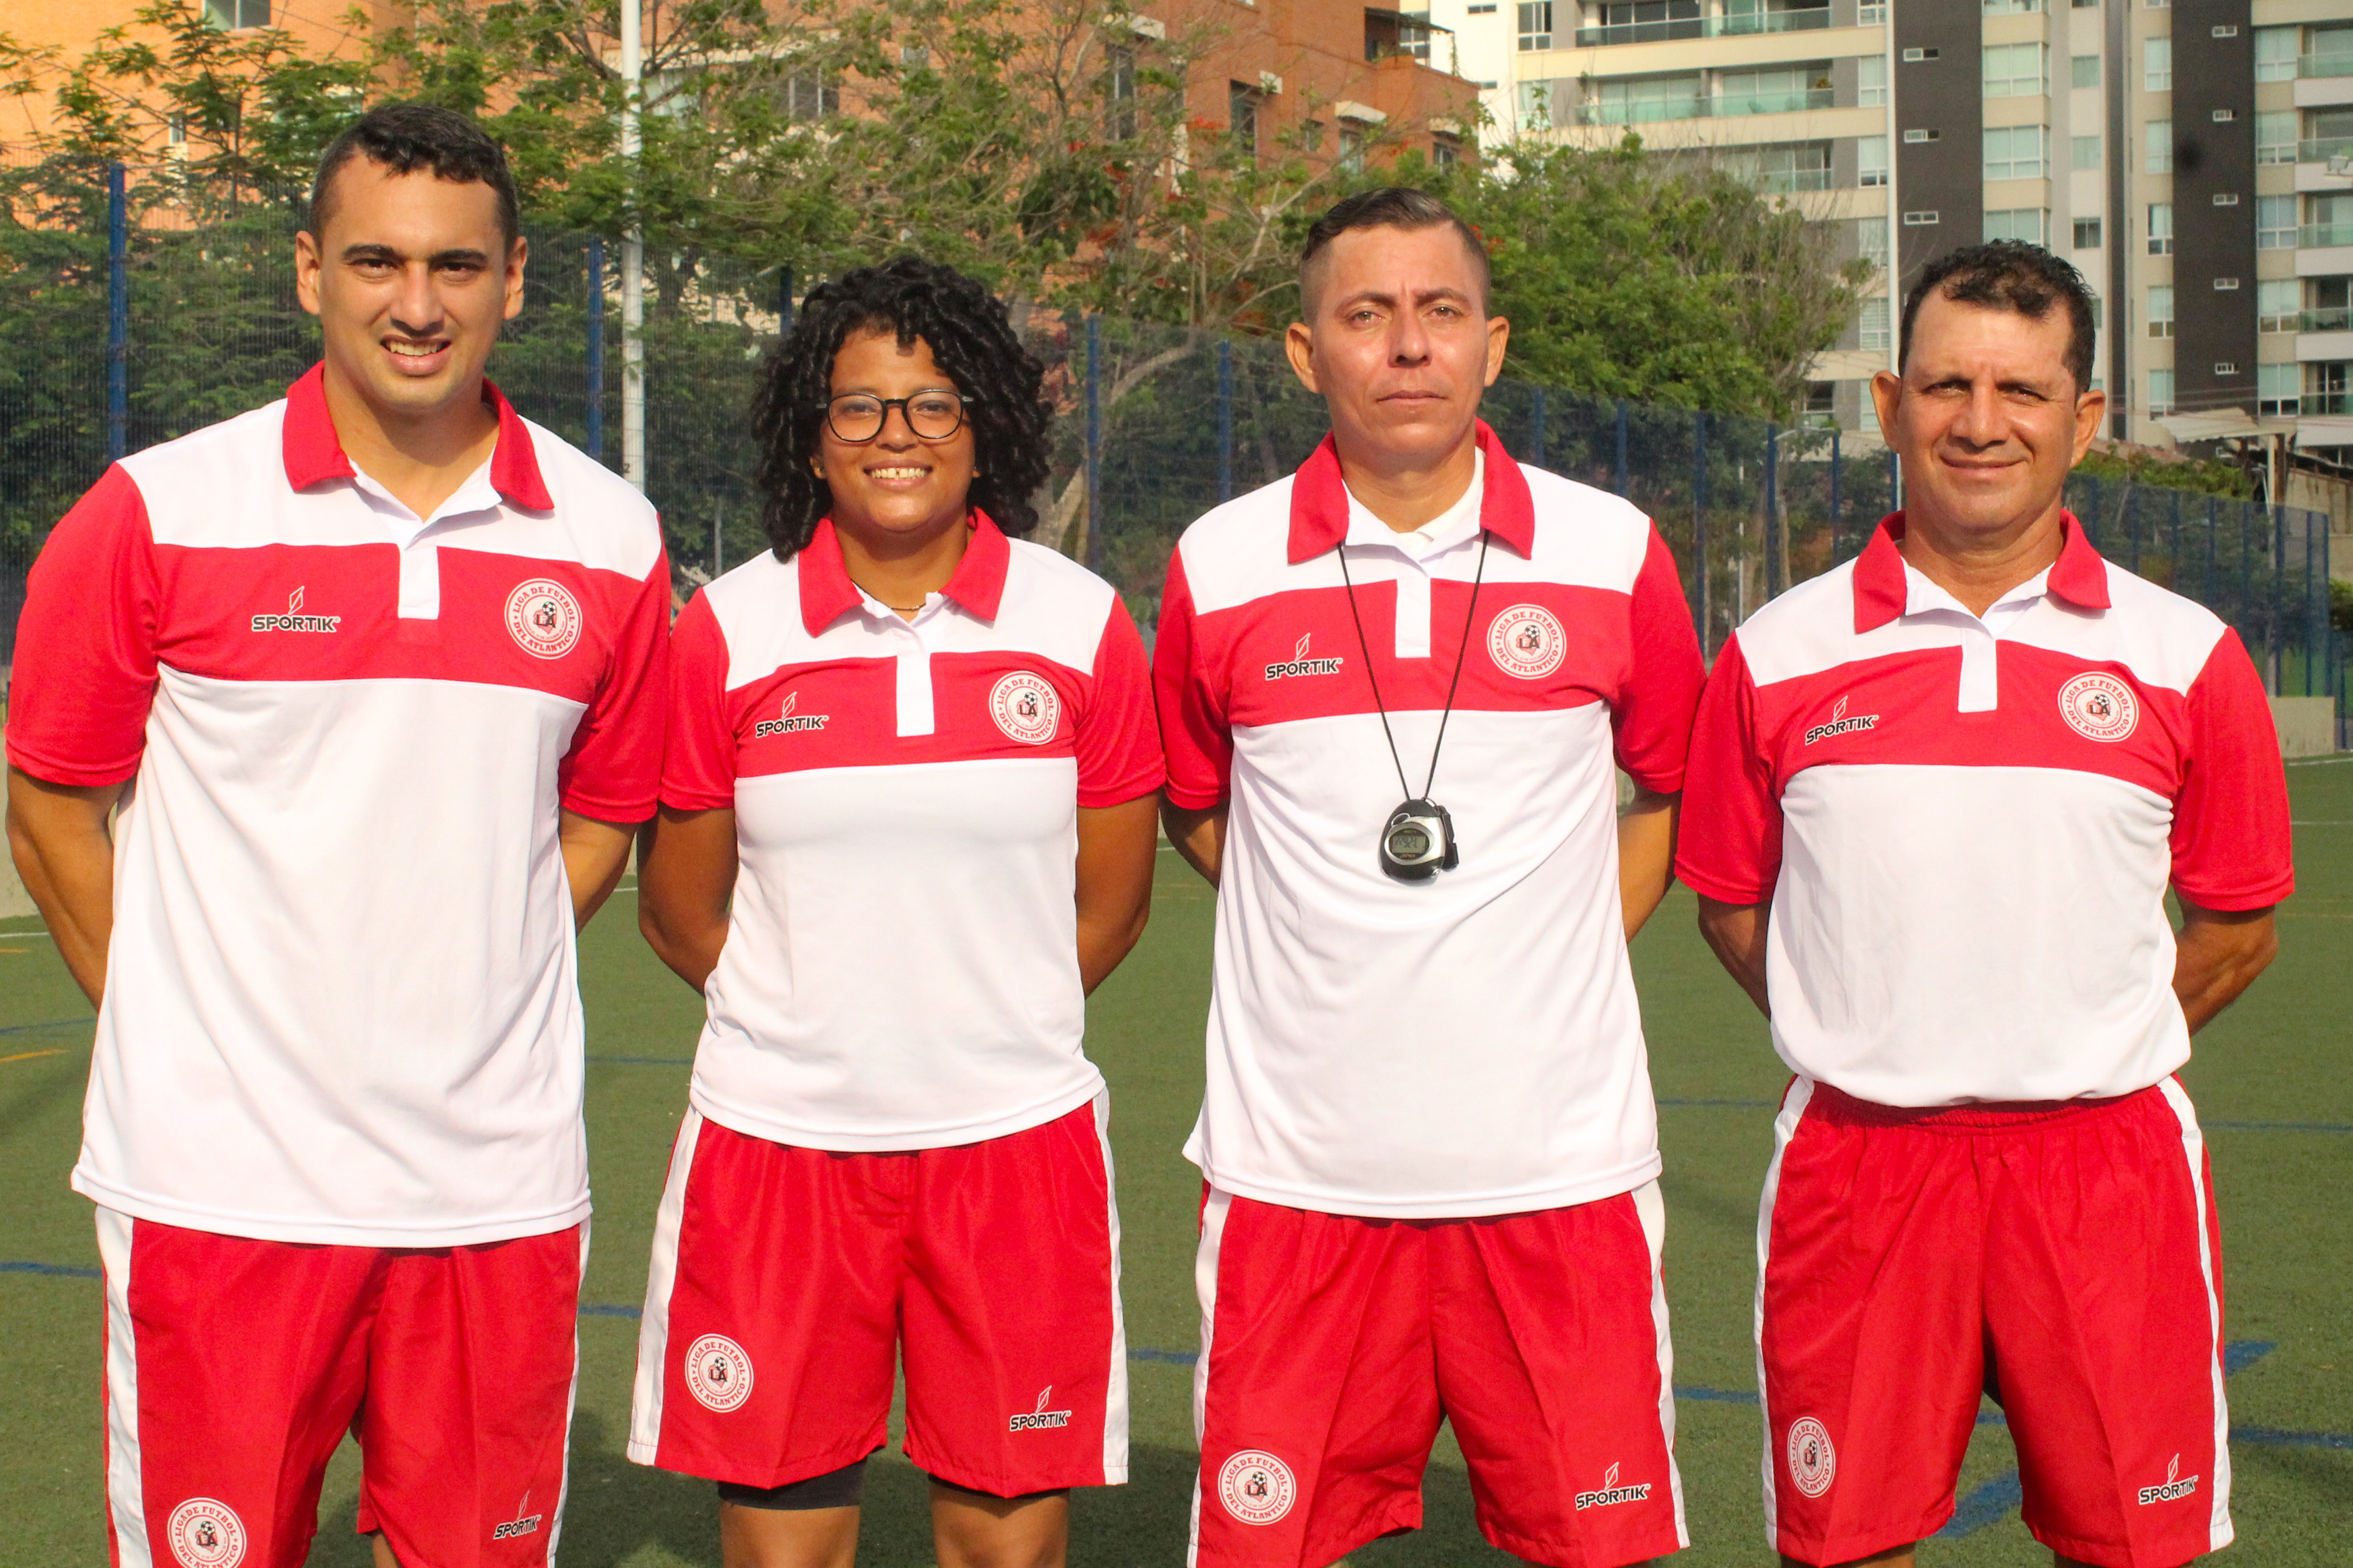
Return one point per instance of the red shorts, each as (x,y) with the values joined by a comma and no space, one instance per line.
(2065,1259)
(235,1366)
(786,1282)
(1332,1345)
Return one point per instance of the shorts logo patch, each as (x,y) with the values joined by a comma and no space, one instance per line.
(2099,706)
(543,618)
(1813,1463)
(1256,1487)
(1026,708)
(718,1372)
(1527,641)
(1839,725)
(788,722)
(515,1529)
(2175,1485)
(205,1533)
(294,620)
(1300,664)
(1609,1492)
(1035,1420)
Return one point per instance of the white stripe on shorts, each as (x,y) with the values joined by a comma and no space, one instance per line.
(571,1406)
(1114,1443)
(126,1492)
(1651,1210)
(1784,1127)
(661,1274)
(2220,1530)
(1205,1286)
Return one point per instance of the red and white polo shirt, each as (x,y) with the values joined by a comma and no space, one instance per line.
(1471,1044)
(1967,824)
(901,968)
(339,1001)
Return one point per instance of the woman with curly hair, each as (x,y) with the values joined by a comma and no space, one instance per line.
(907,824)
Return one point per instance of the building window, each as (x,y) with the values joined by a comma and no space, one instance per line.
(2160,311)
(2160,394)
(1641,100)
(1784,169)
(1778,90)
(2278,302)
(2156,64)
(2160,228)
(1870,324)
(1536,105)
(1821,403)
(1871,82)
(2277,387)
(1445,151)
(2014,70)
(2011,8)
(1535,25)
(2086,150)
(1922,217)
(2329,221)
(2275,223)
(2276,52)
(2275,131)
(1242,117)
(1871,160)
(1870,13)
(176,131)
(2013,152)
(2085,69)
(234,13)
(2015,223)
(1352,147)
(1119,74)
(2087,234)
(2157,147)
(1870,240)
(812,97)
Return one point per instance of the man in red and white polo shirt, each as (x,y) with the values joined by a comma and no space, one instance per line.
(1392,688)
(1936,798)
(374,676)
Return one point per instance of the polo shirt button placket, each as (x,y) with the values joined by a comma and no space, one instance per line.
(914,678)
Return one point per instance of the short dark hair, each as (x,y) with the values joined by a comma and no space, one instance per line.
(405,137)
(970,339)
(2009,275)
(1392,207)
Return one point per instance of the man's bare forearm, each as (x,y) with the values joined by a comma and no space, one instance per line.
(1199,836)
(2217,956)
(59,836)
(595,855)
(1736,932)
(1646,854)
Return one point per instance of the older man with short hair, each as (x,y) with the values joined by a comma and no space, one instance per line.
(1936,798)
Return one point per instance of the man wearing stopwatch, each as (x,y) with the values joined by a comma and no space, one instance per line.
(1395,689)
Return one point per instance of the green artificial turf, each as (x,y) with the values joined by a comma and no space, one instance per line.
(2276,1058)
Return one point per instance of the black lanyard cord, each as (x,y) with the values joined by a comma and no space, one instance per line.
(1462,653)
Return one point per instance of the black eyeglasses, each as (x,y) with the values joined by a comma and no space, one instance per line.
(857,416)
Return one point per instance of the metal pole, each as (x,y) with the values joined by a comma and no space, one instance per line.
(2213,527)
(2311,626)
(1772,510)
(1225,420)
(783,300)
(2173,545)
(1699,524)
(597,349)
(1095,432)
(719,535)
(1536,428)
(1621,446)
(118,316)
(633,256)
(1837,471)
(2132,530)
(2272,637)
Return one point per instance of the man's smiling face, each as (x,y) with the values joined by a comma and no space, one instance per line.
(410,278)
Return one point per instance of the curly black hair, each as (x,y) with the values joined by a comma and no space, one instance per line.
(970,339)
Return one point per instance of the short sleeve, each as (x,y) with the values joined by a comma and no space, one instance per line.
(2230,837)
(698,748)
(1118,739)
(1653,709)
(85,661)
(1193,727)
(613,772)
(1728,846)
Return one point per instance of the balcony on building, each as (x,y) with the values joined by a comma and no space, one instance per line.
(1607,22)
(1393,35)
(1687,95)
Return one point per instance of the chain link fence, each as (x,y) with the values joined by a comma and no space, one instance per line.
(114,348)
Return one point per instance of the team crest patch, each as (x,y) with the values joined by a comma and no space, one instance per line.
(207,1535)
(1256,1487)
(1813,1463)
(2099,706)
(543,618)
(1527,641)
(1026,708)
(718,1372)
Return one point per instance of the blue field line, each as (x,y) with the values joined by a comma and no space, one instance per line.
(52,1023)
(1988,1504)
(2281,1126)
(61,1270)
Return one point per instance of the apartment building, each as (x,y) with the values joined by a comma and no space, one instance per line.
(2194,159)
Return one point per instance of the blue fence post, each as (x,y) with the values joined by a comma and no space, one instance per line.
(2213,527)
(2311,610)
(1699,526)
(783,299)
(1536,427)
(2173,546)
(1894,481)
(1836,467)
(1621,447)
(1773,564)
(2275,633)
(2132,528)
(597,349)
(1225,420)
(1095,432)
(2090,516)
(118,316)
